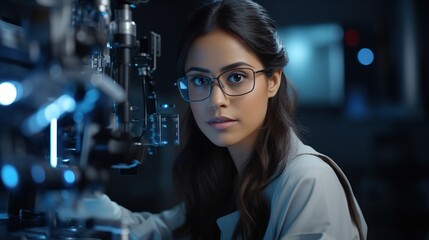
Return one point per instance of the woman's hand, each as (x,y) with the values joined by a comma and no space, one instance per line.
(97,205)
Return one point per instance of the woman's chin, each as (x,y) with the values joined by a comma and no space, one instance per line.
(221,142)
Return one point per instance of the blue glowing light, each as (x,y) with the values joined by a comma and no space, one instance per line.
(316,62)
(299,51)
(53,148)
(92,95)
(357,106)
(365,56)
(78,117)
(66,103)
(9,176)
(89,101)
(8,93)
(51,111)
(69,176)
(44,116)
(38,174)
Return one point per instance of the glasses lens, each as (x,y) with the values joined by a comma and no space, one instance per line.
(195,87)
(238,81)
(233,82)
(182,84)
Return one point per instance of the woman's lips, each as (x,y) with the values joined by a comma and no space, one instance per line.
(221,123)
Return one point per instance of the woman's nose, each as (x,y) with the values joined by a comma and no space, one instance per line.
(217,98)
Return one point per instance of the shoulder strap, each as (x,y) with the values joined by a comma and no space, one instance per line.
(354,209)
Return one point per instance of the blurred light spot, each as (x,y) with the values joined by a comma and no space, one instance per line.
(88,103)
(69,176)
(66,103)
(298,51)
(167,106)
(365,56)
(105,14)
(38,174)
(51,111)
(316,62)
(351,37)
(78,117)
(53,150)
(43,117)
(9,176)
(357,106)
(92,95)
(8,93)
(55,70)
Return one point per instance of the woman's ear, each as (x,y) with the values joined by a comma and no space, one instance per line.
(274,82)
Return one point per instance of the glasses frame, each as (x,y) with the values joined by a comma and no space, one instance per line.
(220,85)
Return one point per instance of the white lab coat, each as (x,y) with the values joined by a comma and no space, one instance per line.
(310,199)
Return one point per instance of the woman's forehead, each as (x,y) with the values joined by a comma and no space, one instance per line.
(218,49)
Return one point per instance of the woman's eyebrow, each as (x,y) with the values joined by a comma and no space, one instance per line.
(235,65)
(197,69)
(224,68)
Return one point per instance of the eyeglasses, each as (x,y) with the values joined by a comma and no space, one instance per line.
(234,82)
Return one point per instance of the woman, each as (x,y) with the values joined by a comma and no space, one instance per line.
(243,172)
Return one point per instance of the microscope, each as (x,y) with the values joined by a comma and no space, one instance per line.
(77,98)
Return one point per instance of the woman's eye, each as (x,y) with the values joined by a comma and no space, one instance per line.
(236,78)
(200,80)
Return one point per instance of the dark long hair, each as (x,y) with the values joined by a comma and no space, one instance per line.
(204,172)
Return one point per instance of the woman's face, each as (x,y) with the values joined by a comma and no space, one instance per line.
(229,120)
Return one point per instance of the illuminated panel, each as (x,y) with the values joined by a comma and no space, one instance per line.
(316,63)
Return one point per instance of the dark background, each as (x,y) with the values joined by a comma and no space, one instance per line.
(383,152)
